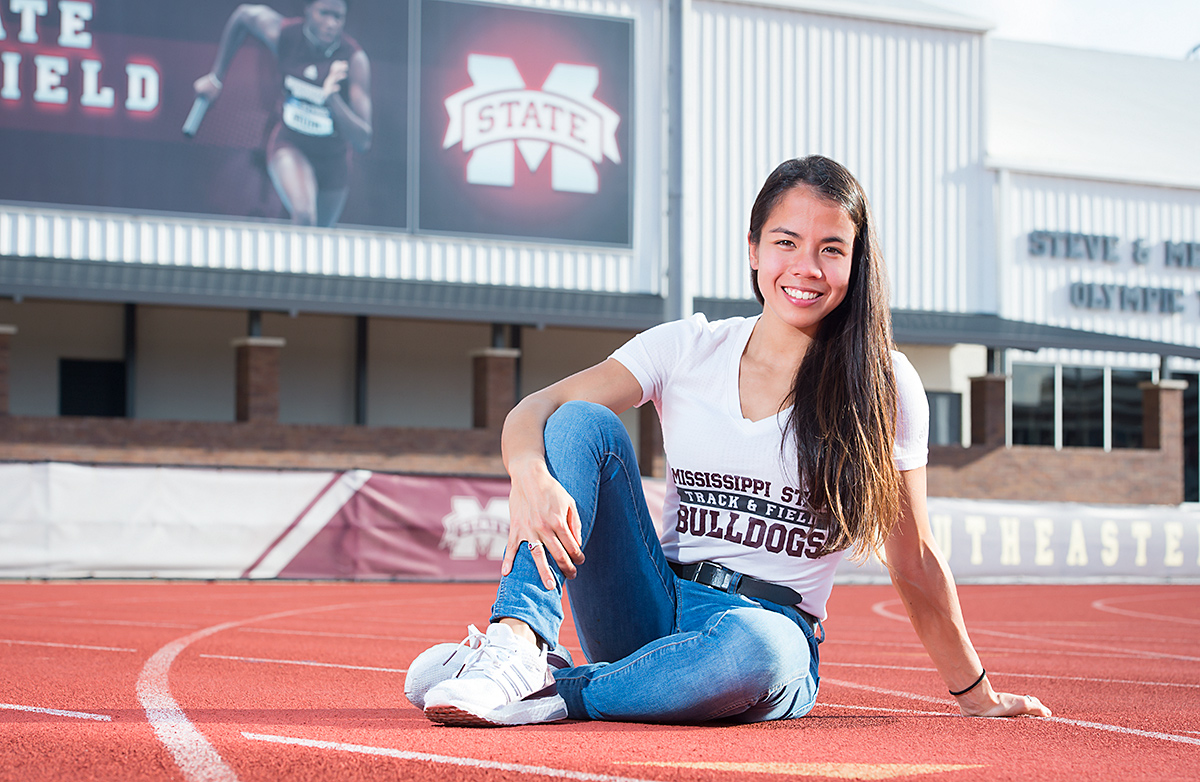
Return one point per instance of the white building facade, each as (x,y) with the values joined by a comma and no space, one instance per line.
(1038,207)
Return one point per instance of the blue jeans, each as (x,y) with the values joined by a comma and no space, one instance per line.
(660,649)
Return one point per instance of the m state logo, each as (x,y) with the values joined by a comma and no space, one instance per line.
(472,530)
(498,115)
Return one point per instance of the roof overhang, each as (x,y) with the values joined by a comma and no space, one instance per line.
(279,291)
(913,327)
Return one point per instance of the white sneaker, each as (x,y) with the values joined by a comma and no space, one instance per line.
(437,664)
(442,661)
(506,680)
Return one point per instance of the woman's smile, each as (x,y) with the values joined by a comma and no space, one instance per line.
(803,259)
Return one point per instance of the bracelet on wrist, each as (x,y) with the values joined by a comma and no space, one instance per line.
(974,684)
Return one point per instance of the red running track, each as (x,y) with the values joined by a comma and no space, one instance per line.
(269,681)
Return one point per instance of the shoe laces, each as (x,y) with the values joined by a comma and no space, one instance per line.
(473,641)
(487,655)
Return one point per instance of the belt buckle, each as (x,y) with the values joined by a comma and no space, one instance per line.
(715,576)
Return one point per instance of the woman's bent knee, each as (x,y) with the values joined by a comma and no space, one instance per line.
(576,424)
(580,412)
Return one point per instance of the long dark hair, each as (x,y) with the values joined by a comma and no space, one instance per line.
(844,394)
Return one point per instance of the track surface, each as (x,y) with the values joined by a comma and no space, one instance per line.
(270,681)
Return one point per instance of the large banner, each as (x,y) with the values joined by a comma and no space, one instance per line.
(525,123)
(71,521)
(300,110)
(94,96)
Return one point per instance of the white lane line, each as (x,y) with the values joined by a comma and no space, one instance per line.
(1031,623)
(1104,604)
(881,691)
(1081,645)
(407,621)
(303,662)
(881,608)
(1061,720)
(1152,734)
(1051,676)
(341,635)
(66,646)
(884,708)
(54,604)
(1124,637)
(80,715)
(399,754)
(994,649)
(121,622)
(193,753)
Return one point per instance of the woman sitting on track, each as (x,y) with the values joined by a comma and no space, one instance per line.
(325,107)
(792,438)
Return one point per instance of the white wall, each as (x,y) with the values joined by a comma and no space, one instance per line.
(316,367)
(1037,288)
(419,372)
(548,355)
(949,368)
(899,105)
(186,363)
(48,331)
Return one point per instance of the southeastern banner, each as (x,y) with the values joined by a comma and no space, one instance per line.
(73,521)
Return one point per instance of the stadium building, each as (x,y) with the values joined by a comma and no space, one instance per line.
(545,180)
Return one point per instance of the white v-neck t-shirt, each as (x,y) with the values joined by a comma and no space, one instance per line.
(732,485)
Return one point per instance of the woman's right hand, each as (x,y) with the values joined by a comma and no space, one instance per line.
(543,516)
(983,701)
(207,86)
(338,71)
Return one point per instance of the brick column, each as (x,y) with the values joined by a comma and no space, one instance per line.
(257,394)
(6,335)
(1162,430)
(1162,414)
(989,410)
(494,374)
(650,441)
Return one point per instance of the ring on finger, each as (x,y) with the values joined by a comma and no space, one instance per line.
(534,545)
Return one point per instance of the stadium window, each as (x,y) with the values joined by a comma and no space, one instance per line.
(1032,404)
(1083,407)
(945,418)
(1127,407)
(90,387)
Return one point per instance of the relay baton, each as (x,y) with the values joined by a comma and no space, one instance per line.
(195,116)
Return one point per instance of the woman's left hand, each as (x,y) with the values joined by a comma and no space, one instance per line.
(983,701)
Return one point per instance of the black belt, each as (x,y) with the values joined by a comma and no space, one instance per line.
(722,578)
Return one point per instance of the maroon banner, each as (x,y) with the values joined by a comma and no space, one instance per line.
(526,123)
(403,526)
